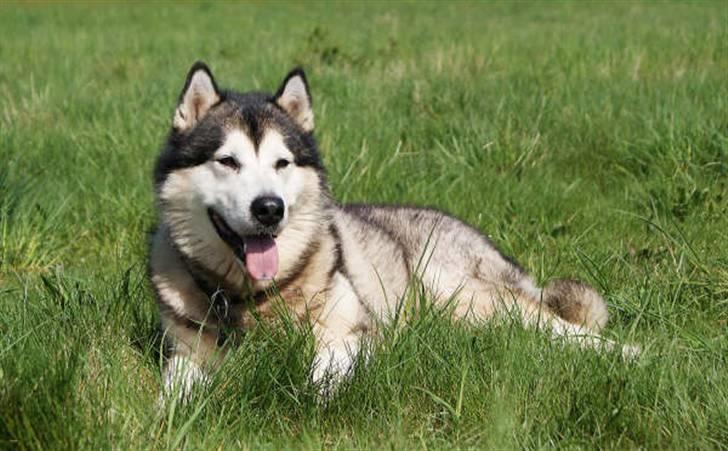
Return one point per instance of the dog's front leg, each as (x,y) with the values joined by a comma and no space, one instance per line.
(334,360)
(337,335)
(193,351)
(192,346)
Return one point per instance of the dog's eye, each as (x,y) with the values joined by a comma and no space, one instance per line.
(282,163)
(230,162)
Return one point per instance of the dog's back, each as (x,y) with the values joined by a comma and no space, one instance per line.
(449,256)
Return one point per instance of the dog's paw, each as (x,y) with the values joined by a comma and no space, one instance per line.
(181,377)
(329,369)
(631,353)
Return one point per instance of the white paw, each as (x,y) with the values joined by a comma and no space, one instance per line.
(631,352)
(181,376)
(329,369)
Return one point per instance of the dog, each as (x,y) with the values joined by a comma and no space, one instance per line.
(246,218)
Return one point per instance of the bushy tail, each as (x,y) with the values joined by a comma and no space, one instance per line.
(577,303)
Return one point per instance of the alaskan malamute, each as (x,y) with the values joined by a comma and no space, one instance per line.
(246,216)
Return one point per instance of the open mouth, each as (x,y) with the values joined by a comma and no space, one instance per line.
(258,252)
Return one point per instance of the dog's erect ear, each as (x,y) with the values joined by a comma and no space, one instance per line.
(198,96)
(294,97)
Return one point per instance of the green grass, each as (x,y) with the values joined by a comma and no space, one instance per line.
(588,140)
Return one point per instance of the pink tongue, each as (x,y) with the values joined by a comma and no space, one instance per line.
(261,257)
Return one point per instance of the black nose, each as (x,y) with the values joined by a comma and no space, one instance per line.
(268,210)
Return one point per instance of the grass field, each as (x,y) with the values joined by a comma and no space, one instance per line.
(587,139)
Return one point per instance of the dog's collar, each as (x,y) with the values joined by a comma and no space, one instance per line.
(221,300)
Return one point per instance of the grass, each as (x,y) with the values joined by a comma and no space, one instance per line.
(588,140)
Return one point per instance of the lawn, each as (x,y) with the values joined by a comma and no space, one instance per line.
(586,139)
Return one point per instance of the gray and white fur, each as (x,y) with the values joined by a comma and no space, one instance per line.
(246,217)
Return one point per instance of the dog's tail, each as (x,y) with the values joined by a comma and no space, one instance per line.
(577,303)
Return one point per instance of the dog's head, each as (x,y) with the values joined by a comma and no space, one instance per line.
(240,173)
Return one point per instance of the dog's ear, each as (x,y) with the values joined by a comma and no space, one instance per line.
(197,97)
(294,97)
